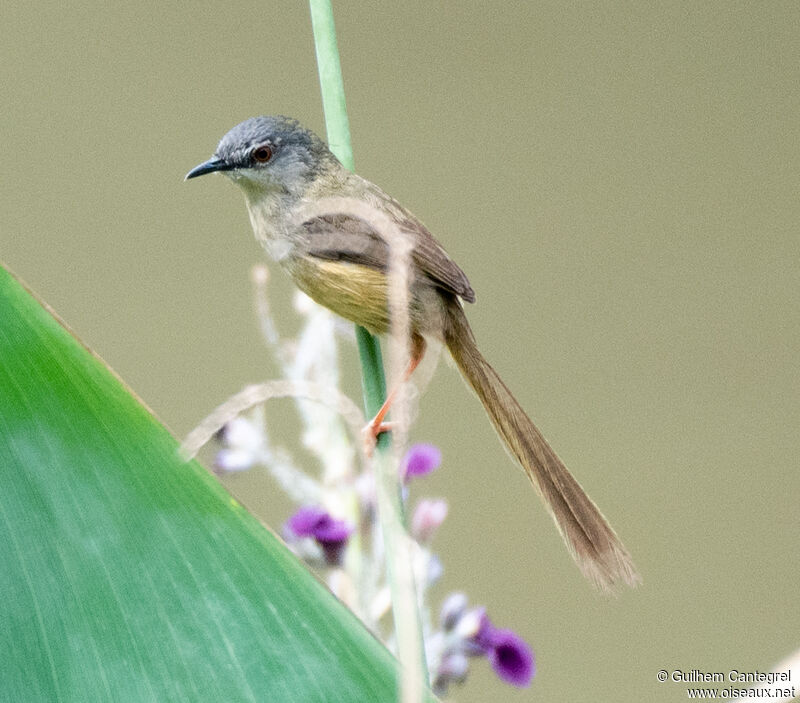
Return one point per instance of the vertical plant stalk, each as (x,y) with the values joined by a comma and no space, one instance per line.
(408,631)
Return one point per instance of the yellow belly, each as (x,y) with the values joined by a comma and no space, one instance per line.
(357,293)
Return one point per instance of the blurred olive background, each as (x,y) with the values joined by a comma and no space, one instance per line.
(619,181)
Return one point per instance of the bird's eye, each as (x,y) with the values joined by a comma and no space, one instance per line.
(262,154)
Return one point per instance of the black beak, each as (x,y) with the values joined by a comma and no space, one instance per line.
(213,164)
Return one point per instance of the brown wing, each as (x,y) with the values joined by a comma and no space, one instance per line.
(341,237)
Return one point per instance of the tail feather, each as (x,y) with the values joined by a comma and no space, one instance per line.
(593,544)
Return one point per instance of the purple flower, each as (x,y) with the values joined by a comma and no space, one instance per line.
(476,630)
(469,633)
(331,534)
(511,657)
(421,459)
(305,521)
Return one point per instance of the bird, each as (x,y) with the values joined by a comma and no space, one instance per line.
(341,260)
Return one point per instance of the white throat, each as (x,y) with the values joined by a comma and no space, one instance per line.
(268,218)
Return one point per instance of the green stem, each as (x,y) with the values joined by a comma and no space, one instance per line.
(331,83)
(397,544)
(373,379)
(338,128)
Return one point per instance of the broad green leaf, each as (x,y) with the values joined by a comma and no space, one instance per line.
(128,575)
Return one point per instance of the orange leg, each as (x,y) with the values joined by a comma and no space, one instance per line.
(376,425)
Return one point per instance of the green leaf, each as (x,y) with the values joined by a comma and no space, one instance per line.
(128,575)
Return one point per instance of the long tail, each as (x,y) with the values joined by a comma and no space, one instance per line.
(597,550)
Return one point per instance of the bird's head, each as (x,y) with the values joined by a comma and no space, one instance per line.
(266,155)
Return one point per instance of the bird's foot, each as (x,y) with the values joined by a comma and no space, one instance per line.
(371,432)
